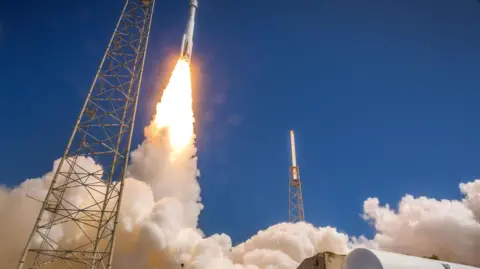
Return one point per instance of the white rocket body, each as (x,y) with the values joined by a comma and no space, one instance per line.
(187,41)
(295,173)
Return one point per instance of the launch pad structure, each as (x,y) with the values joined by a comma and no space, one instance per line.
(295,198)
(103,134)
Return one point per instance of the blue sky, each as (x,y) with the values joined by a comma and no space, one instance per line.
(382,94)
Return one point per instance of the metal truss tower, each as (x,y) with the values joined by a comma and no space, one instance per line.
(102,133)
(295,199)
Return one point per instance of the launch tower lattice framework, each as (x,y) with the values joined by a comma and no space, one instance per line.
(295,199)
(102,133)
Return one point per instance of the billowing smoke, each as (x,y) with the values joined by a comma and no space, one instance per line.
(161,205)
(425,227)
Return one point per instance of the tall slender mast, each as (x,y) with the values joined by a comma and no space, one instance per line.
(102,133)
(295,199)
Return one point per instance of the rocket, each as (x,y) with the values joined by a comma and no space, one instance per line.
(295,174)
(187,41)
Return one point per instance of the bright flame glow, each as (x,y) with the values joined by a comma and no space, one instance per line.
(175,111)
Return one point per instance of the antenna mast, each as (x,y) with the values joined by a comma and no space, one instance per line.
(295,199)
(103,134)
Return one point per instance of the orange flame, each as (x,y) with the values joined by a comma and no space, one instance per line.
(174,111)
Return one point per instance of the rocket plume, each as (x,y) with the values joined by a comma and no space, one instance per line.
(174,111)
(158,222)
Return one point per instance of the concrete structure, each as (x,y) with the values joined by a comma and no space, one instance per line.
(325,260)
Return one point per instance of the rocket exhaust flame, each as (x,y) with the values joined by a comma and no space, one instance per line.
(174,111)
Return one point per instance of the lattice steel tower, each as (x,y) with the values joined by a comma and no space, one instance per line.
(295,199)
(103,132)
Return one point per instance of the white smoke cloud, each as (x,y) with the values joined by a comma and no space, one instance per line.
(158,223)
(424,227)
(286,245)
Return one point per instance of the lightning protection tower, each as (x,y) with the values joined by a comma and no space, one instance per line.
(103,133)
(295,199)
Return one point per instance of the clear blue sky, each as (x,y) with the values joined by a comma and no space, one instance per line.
(383,96)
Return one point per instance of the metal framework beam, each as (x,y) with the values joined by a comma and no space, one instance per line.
(102,133)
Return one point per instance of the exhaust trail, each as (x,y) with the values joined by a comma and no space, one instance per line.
(175,112)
